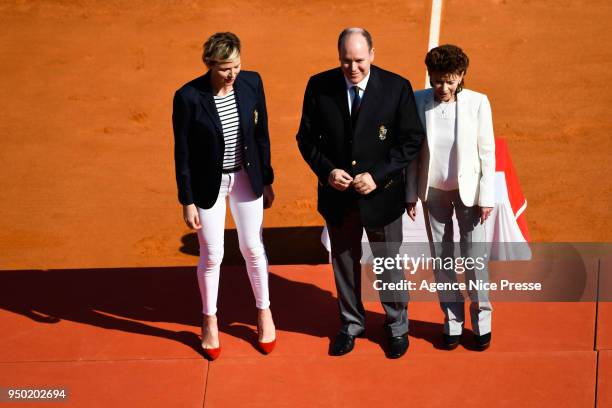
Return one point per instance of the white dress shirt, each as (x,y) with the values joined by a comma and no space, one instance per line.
(349,93)
(443,168)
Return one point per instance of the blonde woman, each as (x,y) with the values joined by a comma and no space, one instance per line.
(222,151)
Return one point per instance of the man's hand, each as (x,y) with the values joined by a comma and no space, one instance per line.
(339,179)
(484,213)
(411,209)
(268,196)
(364,183)
(191,217)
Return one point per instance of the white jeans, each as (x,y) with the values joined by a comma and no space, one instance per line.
(247,211)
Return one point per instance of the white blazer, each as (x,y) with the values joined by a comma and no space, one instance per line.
(475,149)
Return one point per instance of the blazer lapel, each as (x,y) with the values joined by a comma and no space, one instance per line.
(427,117)
(342,100)
(460,123)
(208,102)
(370,101)
(242,102)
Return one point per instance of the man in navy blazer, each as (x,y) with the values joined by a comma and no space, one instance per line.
(199,144)
(359,130)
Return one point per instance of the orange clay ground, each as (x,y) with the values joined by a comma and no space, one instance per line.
(97,285)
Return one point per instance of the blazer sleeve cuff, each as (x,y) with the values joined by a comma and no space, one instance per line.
(486,199)
(185,199)
(268,177)
(378,175)
(323,172)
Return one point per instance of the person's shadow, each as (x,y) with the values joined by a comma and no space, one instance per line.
(130,299)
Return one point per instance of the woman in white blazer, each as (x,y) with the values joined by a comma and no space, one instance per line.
(455,173)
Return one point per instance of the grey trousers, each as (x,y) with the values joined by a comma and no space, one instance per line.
(346,254)
(438,211)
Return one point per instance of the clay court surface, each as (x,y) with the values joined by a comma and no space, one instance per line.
(97,284)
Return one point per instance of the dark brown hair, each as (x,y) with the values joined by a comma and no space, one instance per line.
(447,59)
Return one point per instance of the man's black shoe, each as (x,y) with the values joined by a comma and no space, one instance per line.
(398,346)
(482,342)
(343,344)
(451,341)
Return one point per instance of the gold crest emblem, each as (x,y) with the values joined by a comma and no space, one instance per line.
(255,116)
(382,132)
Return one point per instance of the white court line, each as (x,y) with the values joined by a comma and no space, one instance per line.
(434,31)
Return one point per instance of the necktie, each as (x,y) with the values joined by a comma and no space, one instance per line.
(356,103)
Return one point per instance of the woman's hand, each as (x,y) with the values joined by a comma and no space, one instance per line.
(268,196)
(191,217)
(411,209)
(484,213)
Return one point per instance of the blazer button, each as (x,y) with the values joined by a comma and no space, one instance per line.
(353,162)
(248,164)
(246,147)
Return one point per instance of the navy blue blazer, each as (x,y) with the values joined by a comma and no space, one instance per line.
(386,137)
(199,144)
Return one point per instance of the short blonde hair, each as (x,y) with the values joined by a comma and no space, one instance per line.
(221,47)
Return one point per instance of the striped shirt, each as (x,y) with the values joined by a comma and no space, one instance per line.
(230,123)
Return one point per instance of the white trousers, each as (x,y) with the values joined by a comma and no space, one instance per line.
(247,211)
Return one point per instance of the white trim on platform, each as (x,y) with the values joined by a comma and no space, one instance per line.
(520,210)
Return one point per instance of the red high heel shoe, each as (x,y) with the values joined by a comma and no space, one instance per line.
(212,353)
(267,347)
